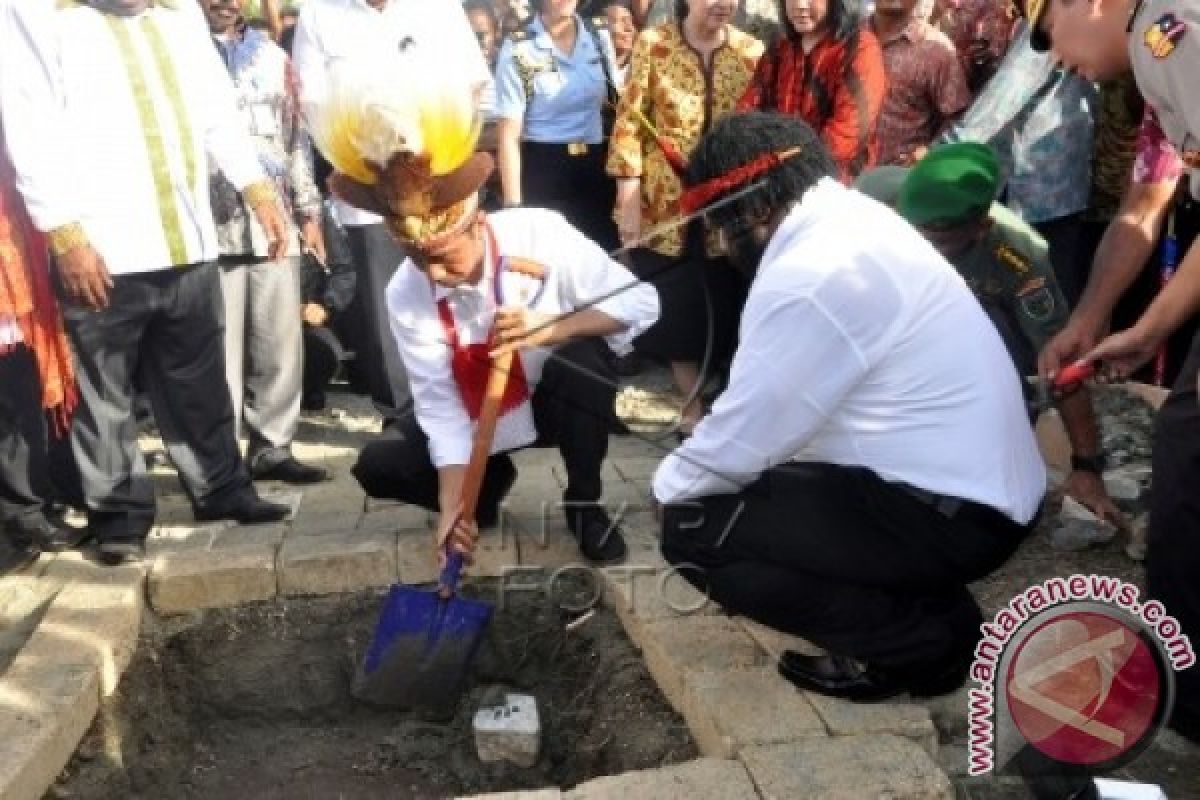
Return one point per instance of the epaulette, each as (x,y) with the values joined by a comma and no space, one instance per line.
(519,36)
(600,23)
(1012,259)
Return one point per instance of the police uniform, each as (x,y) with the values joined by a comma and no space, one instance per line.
(1164,49)
(560,100)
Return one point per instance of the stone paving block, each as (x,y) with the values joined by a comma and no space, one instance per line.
(415,560)
(638,469)
(96,620)
(190,580)
(853,719)
(403,517)
(702,779)
(543,541)
(774,642)
(236,536)
(641,594)
(700,643)
(728,711)
(340,495)
(846,768)
(165,538)
(47,702)
(344,562)
(496,553)
(322,523)
(529,794)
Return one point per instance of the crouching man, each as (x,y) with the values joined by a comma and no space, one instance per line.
(871,455)
(474,284)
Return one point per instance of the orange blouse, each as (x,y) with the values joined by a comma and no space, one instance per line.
(669,84)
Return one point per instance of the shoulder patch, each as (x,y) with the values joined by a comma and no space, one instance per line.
(519,36)
(600,23)
(1163,36)
(1012,259)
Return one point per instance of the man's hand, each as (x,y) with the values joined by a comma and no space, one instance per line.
(315,315)
(1120,355)
(1068,346)
(518,328)
(453,533)
(314,240)
(85,277)
(1088,489)
(268,216)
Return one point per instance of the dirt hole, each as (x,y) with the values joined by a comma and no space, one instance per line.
(255,702)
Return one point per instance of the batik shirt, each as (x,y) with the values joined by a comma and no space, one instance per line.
(671,87)
(267,104)
(926,87)
(1038,118)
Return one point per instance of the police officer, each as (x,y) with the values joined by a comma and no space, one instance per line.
(554,81)
(949,197)
(1159,40)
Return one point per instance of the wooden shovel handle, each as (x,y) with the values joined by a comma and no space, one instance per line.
(485,431)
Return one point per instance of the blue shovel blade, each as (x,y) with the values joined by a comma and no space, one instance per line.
(422,649)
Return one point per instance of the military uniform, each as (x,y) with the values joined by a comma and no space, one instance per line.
(560,100)
(1010,272)
(1164,49)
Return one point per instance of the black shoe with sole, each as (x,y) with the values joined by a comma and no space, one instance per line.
(836,676)
(49,535)
(118,552)
(600,540)
(247,508)
(291,471)
(19,557)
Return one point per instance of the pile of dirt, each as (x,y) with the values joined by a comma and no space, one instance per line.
(255,702)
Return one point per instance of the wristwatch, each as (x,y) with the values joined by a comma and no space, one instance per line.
(1095,464)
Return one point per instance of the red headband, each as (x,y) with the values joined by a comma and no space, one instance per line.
(700,196)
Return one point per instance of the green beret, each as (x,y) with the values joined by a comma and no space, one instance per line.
(882,183)
(953,183)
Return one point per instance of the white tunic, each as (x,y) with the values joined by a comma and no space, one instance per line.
(110,121)
(433,37)
(578,273)
(861,346)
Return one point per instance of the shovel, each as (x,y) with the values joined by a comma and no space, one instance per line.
(425,641)
(1065,380)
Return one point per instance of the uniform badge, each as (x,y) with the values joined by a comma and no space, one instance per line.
(1037,301)
(1163,36)
(1014,260)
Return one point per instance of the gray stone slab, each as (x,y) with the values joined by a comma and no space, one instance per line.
(190,580)
(345,562)
(698,643)
(728,711)
(846,768)
(852,719)
(702,779)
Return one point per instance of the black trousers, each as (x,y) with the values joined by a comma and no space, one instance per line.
(376,258)
(1173,538)
(576,186)
(322,355)
(572,409)
(1064,240)
(836,555)
(24,467)
(166,328)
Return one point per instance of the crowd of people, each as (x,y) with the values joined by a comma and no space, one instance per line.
(841,228)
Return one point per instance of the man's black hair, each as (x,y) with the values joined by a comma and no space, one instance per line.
(738,139)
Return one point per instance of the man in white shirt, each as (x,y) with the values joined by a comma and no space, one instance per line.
(524,280)
(433,37)
(112,108)
(871,455)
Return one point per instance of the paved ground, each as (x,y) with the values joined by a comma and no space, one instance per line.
(759,736)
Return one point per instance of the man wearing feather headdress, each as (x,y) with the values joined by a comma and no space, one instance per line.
(473,285)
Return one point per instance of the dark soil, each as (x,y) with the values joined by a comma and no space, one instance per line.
(255,702)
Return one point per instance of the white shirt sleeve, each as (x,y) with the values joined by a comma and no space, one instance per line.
(32,98)
(436,399)
(460,45)
(594,280)
(793,367)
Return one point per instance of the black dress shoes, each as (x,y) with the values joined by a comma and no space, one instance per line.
(600,541)
(290,471)
(49,535)
(245,507)
(836,676)
(118,552)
